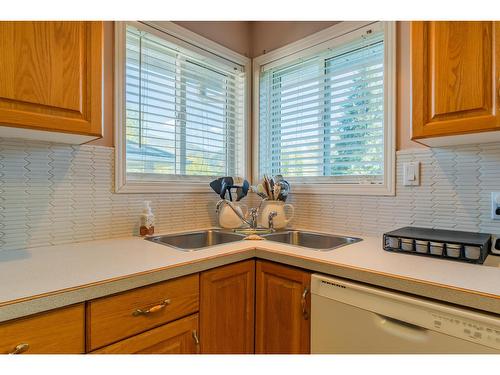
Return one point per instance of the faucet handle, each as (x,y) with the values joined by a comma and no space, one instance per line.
(270,217)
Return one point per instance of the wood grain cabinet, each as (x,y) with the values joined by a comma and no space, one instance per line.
(227,300)
(58,331)
(282,309)
(241,308)
(455,82)
(113,318)
(179,337)
(51,80)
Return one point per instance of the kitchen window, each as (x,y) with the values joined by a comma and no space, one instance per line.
(325,110)
(181,109)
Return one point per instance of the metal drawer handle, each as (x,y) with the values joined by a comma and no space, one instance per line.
(152,309)
(303,304)
(497,89)
(21,348)
(196,341)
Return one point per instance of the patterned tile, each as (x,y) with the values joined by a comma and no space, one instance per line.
(57,194)
(454,193)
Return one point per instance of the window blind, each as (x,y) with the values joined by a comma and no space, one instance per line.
(184,115)
(323,116)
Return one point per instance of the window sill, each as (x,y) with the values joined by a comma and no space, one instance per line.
(343,189)
(138,187)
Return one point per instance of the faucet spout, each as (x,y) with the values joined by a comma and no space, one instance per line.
(253,213)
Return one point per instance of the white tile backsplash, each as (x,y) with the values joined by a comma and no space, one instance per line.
(56,194)
(454,193)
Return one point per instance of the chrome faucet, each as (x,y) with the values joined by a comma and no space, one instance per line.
(253,213)
(270,223)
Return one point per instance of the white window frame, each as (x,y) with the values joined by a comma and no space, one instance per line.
(315,43)
(190,41)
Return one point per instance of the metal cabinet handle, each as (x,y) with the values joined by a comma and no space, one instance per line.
(152,309)
(21,348)
(303,303)
(497,90)
(196,341)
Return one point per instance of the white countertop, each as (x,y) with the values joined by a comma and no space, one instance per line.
(28,276)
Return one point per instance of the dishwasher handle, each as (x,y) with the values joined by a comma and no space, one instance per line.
(401,328)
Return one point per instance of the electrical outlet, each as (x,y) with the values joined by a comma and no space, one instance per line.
(495,244)
(411,174)
(495,206)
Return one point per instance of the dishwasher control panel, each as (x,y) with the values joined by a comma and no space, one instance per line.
(468,330)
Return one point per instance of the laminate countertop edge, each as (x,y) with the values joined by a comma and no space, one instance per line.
(66,297)
(364,262)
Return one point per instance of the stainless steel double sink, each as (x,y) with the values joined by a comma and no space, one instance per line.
(193,241)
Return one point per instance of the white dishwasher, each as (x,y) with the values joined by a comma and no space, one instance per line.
(350,317)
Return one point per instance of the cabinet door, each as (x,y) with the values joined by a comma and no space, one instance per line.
(282,309)
(113,318)
(51,76)
(179,337)
(227,300)
(455,77)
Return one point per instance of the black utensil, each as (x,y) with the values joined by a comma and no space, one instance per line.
(227,184)
(216,185)
(242,191)
(285,189)
(223,190)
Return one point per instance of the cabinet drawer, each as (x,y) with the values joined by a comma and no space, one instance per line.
(179,337)
(59,331)
(110,319)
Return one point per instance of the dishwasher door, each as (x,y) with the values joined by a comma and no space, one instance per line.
(353,318)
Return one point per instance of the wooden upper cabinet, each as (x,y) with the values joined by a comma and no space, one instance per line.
(227,300)
(51,79)
(282,323)
(455,75)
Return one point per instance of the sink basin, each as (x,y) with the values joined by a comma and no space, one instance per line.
(193,241)
(311,240)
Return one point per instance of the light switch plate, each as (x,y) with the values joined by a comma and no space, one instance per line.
(495,205)
(411,173)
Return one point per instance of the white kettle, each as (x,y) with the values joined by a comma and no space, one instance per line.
(281,219)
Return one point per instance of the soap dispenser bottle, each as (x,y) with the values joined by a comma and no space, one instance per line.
(147,220)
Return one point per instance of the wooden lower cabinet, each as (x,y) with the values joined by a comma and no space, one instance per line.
(227,300)
(179,337)
(282,323)
(241,308)
(114,318)
(59,331)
